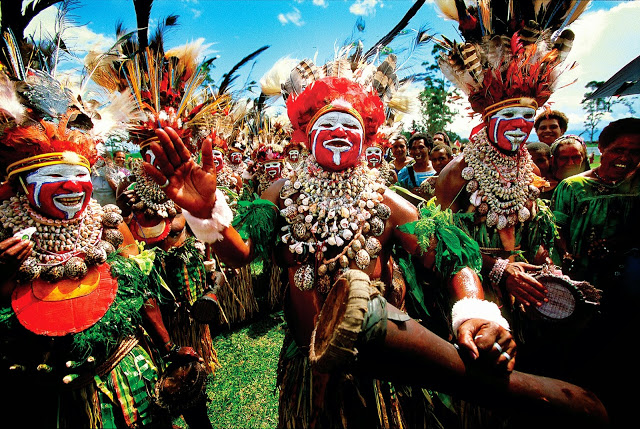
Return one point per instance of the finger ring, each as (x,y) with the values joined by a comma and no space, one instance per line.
(506,355)
(497,347)
(165,184)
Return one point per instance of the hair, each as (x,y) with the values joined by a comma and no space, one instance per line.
(428,140)
(539,147)
(447,140)
(398,136)
(562,119)
(618,128)
(444,147)
(566,139)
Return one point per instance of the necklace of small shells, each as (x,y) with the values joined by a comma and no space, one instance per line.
(63,248)
(151,194)
(340,213)
(499,184)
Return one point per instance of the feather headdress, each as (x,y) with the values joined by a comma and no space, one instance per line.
(512,50)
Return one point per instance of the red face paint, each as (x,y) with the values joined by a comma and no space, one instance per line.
(336,140)
(218,159)
(509,128)
(273,170)
(235,158)
(374,156)
(60,191)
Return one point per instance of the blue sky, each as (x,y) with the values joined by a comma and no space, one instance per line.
(606,35)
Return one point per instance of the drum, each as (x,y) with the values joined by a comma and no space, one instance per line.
(568,300)
(333,341)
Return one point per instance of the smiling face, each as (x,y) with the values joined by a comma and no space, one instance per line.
(509,128)
(235,158)
(336,140)
(620,157)
(60,191)
(399,148)
(568,160)
(419,151)
(273,169)
(218,159)
(374,156)
(548,131)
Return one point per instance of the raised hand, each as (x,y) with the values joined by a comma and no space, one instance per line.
(189,185)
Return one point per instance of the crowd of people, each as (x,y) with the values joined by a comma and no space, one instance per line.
(422,285)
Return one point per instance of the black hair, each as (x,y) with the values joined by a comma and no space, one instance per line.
(428,140)
(562,119)
(539,147)
(618,128)
(444,147)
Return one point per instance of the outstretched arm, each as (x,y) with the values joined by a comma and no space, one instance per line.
(193,188)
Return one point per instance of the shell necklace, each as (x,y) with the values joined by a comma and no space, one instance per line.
(152,199)
(499,184)
(335,213)
(63,249)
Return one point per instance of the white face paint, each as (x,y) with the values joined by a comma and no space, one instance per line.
(293,155)
(272,168)
(334,134)
(373,155)
(60,188)
(510,127)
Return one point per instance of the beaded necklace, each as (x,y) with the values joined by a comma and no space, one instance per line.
(500,185)
(63,248)
(332,213)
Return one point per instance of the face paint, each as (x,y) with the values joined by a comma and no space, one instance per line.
(149,157)
(293,155)
(273,169)
(374,156)
(509,127)
(218,159)
(60,191)
(336,140)
(235,157)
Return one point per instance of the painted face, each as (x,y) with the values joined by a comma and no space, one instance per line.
(60,191)
(374,156)
(273,169)
(235,157)
(336,140)
(218,159)
(294,154)
(509,127)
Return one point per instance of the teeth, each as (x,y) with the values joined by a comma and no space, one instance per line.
(621,165)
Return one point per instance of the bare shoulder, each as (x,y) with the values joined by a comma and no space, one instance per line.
(402,211)
(450,182)
(272,193)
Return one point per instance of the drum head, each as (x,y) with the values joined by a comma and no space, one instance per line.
(340,321)
(562,300)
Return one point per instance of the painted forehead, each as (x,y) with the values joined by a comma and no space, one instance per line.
(332,118)
(58,173)
(516,111)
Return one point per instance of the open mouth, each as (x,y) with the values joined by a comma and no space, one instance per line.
(516,135)
(70,200)
(338,144)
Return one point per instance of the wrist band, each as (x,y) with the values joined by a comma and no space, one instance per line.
(497,271)
(473,308)
(209,230)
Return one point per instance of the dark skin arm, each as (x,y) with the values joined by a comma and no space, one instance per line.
(13,252)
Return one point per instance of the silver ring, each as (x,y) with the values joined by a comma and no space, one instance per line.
(165,184)
(506,355)
(497,347)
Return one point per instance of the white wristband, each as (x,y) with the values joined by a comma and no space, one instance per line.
(473,308)
(209,230)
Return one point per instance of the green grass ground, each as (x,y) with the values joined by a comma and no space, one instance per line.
(242,392)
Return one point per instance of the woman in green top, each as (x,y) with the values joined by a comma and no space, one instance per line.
(597,212)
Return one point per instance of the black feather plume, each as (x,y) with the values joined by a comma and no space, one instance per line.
(230,76)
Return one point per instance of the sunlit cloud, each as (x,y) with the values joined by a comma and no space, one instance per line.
(294,17)
(365,7)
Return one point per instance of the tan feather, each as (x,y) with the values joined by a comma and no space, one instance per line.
(448,8)
(272,81)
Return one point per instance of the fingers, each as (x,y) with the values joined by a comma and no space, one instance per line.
(207,156)
(9,242)
(157,175)
(465,339)
(15,250)
(180,154)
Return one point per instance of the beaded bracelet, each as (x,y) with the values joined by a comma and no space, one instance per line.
(497,271)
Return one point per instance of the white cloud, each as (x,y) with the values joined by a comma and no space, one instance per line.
(365,7)
(294,17)
(321,3)
(79,39)
(196,13)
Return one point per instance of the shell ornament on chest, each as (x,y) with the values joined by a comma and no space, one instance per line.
(150,198)
(333,219)
(500,185)
(63,248)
